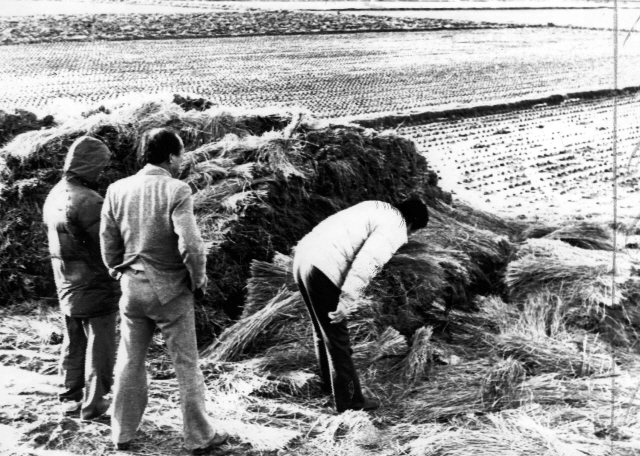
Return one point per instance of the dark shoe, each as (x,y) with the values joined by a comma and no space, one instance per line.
(214,443)
(124,446)
(103,419)
(368,405)
(71,408)
(99,413)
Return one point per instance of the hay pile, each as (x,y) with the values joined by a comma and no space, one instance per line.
(262,180)
(31,164)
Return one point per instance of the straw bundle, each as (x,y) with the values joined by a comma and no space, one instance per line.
(415,280)
(368,351)
(501,387)
(537,232)
(519,435)
(277,151)
(451,391)
(390,343)
(267,278)
(260,437)
(578,276)
(286,356)
(588,236)
(546,355)
(487,251)
(482,220)
(416,365)
(255,328)
(494,314)
(351,425)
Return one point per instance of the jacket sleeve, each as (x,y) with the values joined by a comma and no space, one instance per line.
(111,242)
(190,243)
(385,239)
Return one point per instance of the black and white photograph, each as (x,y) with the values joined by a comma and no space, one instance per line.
(320,228)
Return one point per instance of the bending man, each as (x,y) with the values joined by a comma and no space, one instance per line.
(150,239)
(88,295)
(333,265)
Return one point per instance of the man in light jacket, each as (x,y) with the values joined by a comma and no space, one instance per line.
(88,295)
(151,241)
(332,266)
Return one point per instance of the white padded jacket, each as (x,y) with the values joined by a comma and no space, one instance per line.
(351,246)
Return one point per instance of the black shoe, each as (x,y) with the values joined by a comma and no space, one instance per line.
(214,443)
(99,413)
(103,419)
(123,446)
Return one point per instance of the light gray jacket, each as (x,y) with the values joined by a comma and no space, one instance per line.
(148,218)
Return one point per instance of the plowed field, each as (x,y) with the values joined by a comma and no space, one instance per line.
(545,162)
(332,75)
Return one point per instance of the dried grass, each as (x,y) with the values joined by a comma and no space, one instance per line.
(547,355)
(267,278)
(589,236)
(501,386)
(256,328)
(516,435)
(260,437)
(580,277)
(352,425)
(388,344)
(289,355)
(415,366)
(451,391)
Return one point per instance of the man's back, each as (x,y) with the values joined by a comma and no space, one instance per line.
(371,230)
(148,222)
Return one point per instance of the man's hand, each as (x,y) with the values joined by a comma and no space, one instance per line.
(346,306)
(201,291)
(337,316)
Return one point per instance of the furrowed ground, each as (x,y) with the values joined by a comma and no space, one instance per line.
(548,162)
(333,76)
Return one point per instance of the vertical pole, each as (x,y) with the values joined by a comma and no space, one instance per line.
(615,206)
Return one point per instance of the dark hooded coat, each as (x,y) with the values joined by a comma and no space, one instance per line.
(72,216)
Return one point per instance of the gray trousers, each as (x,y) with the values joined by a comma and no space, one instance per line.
(86,362)
(141,312)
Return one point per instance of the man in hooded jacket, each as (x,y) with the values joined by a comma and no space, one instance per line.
(88,295)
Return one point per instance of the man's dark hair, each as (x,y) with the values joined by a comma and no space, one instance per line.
(415,212)
(156,146)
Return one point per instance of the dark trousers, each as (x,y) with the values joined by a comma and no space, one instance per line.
(332,344)
(87,360)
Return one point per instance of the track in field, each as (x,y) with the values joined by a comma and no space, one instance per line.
(548,162)
(332,75)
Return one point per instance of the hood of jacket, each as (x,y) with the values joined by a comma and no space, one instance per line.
(86,159)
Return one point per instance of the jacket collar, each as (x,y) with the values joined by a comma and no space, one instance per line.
(153,170)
